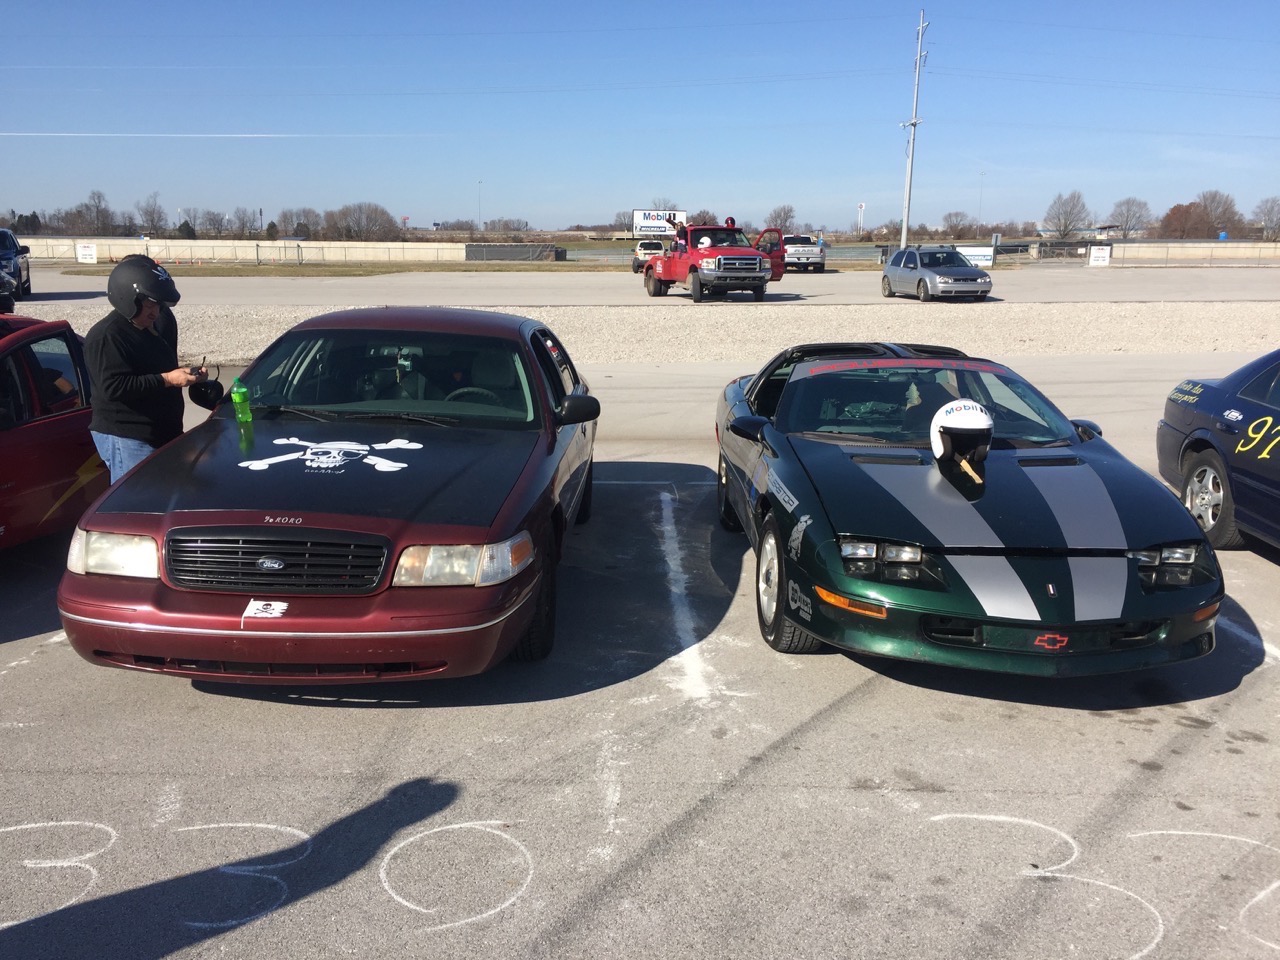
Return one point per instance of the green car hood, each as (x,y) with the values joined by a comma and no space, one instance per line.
(1083,497)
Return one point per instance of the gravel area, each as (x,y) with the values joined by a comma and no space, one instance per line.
(678,331)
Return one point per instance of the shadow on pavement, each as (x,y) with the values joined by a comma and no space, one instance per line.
(29,575)
(146,923)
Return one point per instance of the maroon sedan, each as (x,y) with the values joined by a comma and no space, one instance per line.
(393,509)
(49,469)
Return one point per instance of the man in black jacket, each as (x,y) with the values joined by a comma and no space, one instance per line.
(133,366)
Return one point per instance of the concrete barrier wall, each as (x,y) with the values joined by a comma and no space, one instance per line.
(1157,254)
(1220,251)
(110,250)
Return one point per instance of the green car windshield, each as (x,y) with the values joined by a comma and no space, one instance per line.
(893,401)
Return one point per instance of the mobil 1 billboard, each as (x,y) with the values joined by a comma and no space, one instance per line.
(654,222)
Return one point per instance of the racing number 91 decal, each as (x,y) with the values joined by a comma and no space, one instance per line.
(1259,430)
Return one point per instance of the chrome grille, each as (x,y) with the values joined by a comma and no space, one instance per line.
(293,562)
(740,264)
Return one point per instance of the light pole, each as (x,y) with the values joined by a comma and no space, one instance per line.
(982,179)
(479,222)
(912,123)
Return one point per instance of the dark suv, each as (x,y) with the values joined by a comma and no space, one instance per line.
(14,263)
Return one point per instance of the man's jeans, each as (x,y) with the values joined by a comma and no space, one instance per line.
(120,454)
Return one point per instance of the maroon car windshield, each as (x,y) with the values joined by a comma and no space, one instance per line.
(341,373)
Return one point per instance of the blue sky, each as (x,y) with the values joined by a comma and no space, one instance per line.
(567,112)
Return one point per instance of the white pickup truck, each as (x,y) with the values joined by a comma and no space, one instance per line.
(643,251)
(802,252)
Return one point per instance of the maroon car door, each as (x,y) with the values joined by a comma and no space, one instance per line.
(49,468)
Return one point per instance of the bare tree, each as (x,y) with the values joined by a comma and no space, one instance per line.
(361,221)
(99,213)
(1130,216)
(192,216)
(151,215)
(703,216)
(507,225)
(1267,214)
(1221,210)
(783,217)
(663,203)
(243,222)
(958,224)
(890,228)
(1186,221)
(622,220)
(1067,215)
(213,223)
(304,222)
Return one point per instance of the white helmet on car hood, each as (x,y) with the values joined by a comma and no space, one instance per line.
(961,430)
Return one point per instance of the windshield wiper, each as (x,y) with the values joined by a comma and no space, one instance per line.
(415,417)
(277,408)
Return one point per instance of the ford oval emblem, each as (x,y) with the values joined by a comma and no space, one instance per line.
(270,563)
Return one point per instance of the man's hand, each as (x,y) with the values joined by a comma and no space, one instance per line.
(184,377)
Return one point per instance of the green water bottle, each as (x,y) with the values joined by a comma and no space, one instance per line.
(240,401)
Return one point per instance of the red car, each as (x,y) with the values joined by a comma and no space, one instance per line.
(50,470)
(394,509)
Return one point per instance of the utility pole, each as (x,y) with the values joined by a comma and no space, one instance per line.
(912,123)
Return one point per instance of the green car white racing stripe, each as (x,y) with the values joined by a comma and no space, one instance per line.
(933,501)
(954,520)
(1081,504)
(996,586)
(1088,518)
(1100,584)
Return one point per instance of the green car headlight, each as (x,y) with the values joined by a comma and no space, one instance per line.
(1185,554)
(1172,566)
(901,553)
(857,550)
(463,565)
(113,555)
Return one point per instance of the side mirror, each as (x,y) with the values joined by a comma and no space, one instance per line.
(1087,429)
(205,394)
(749,428)
(23,249)
(578,408)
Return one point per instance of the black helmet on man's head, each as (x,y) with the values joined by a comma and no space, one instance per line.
(139,276)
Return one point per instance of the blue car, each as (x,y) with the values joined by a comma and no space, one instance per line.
(1219,445)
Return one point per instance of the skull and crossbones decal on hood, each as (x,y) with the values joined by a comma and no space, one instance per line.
(334,455)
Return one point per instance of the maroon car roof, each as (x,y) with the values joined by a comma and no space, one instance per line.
(436,319)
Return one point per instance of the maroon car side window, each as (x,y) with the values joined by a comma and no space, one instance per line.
(15,407)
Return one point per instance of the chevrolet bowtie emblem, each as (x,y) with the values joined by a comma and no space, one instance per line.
(1051,641)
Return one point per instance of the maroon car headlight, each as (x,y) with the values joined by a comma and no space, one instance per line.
(463,565)
(113,555)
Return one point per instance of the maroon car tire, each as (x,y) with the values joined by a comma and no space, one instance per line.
(540,637)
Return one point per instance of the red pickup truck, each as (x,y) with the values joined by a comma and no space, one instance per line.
(715,259)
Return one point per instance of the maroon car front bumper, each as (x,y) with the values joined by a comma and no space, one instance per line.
(400,633)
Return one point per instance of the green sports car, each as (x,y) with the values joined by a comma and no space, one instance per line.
(910,501)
